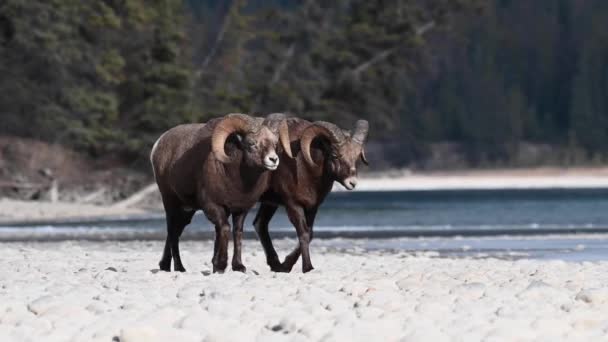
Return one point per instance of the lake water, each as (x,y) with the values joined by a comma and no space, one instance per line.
(461,222)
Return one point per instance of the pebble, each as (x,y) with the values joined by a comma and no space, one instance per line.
(109,293)
(593,296)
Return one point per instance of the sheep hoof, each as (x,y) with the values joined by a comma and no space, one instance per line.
(278,268)
(220,268)
(306,269)
(285,267)
(179,268)
(239,268)
(165,266)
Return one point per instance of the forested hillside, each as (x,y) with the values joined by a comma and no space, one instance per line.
(105,76)
(483,77)
(525,71)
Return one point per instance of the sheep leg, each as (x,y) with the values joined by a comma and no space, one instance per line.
(260,223)
(297,217)
(219,217)
(179,222)
(237,235)
(220,259)
(177,219)
(292,257)
(165,260)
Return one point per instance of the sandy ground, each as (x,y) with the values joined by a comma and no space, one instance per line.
(540,178)
(30,211)
(110,291)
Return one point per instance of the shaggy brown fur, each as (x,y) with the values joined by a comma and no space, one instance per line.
(301,185)
(191,177)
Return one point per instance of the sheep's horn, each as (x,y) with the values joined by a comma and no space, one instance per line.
(319,128)
(230,123)
(360,132)
(336,134)
(278,122)
(284,138)
(275,117)
(363,158)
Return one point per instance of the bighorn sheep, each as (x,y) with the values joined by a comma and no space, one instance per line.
(193,171)
(325,154)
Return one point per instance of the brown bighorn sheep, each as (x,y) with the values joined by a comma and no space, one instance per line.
(193,171)
(325,154)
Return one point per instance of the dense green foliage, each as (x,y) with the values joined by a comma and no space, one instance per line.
(109,76)
(530,71)
(104,76)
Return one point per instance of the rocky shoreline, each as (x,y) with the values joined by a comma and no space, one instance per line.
(114,291)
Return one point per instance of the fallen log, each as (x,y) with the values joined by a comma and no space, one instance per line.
(136,197)
(18,185)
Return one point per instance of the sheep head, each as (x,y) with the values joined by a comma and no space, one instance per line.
(342,149)
(257,141)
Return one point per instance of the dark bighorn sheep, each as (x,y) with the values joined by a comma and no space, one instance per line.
(193,171)
(325,154)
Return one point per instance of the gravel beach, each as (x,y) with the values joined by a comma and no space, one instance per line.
(112,291)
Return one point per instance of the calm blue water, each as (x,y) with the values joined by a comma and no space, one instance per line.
(388,217)
(467,210)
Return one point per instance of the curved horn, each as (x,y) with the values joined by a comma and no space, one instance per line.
(319,128)
(277,122)
(276,117)
(363,158)
(230,124)
(360,132)
(336,134)
(284,138)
